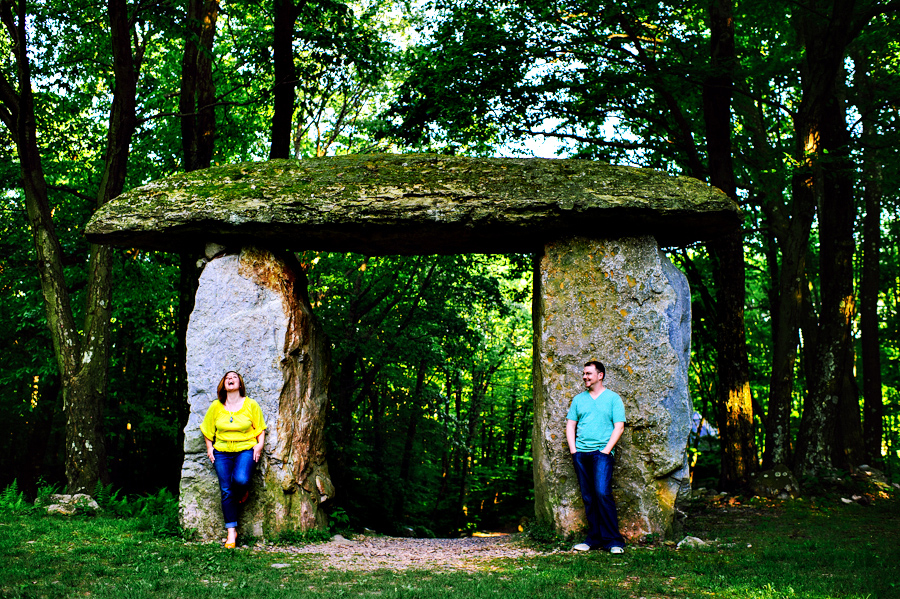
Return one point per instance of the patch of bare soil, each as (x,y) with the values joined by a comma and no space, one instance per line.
(368,553)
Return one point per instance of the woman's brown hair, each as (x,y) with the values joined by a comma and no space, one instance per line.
(223,394)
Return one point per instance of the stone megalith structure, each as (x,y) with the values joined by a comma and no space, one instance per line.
(603,290)
(621,300)
(251,314)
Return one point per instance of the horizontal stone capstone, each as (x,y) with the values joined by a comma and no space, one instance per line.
(380,204)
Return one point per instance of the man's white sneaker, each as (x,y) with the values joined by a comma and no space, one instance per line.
(582,547)
(617,550)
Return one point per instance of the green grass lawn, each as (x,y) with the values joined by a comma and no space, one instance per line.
(785,550)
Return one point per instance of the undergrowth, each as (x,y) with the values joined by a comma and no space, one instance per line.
(12,500)
(155,513)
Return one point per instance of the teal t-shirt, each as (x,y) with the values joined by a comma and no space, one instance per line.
(596,418)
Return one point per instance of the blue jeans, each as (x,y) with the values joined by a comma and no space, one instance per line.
(234,469)
(594,470)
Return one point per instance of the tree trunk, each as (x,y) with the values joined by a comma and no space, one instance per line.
(873,406)
(415,414)
(849,449)
(780,238)
(82,358)
(727,255)
(481,381)
(285,80)
(86,393)
(512,422)
(823,131)
(198,136)
(198,92)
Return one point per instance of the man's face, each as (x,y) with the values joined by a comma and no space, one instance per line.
(591,376)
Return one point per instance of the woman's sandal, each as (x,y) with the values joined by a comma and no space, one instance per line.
(230,545)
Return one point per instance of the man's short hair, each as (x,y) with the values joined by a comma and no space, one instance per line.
(598,365)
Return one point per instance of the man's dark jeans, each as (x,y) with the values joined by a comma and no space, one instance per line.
(594,470)
(234,470)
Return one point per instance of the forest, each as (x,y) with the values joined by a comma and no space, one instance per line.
(790,107)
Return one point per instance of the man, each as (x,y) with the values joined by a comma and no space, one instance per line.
(595,423)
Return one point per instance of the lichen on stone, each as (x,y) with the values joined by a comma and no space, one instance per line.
(414,203)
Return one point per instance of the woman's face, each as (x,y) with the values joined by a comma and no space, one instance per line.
(232,382)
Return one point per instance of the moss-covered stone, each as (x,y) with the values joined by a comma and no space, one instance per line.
(623,303)
(252,315)
(409,204)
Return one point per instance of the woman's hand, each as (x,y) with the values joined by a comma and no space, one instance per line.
(209,450)
(257,449)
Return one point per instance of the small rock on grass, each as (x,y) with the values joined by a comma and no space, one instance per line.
(691,543)
(340,540)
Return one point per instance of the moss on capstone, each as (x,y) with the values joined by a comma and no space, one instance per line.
(398,203)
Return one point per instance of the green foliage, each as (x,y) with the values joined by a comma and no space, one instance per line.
(111,502)
(431,415)
(338,519)
(625,83)
(344,57)
(458,80)
(12,500)
(44,491)
(156,513)
(303,537)
(430,410)
(543,533)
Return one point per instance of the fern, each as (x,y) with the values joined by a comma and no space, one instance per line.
(158,514)
(12,500)
(111,502)
(45,490)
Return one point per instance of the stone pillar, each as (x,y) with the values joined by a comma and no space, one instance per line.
(621,302)
(252,315)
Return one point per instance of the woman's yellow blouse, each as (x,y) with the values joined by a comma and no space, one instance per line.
(233,431)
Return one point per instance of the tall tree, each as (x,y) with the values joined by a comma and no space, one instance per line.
(739,459)
(826,29)
(870,283)
(197,104)
(82,353)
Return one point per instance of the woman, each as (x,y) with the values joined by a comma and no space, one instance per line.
(235,433)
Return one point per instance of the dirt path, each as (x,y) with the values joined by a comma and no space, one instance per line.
(367,553)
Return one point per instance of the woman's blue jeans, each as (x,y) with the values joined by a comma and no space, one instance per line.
(594,470)
(234,469)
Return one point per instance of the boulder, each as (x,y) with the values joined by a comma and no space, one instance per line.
(68,505)
(621,302)
(410,204)
(251,315)
(779,482)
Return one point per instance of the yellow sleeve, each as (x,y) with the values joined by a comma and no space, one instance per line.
(208,426)
(257,418)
